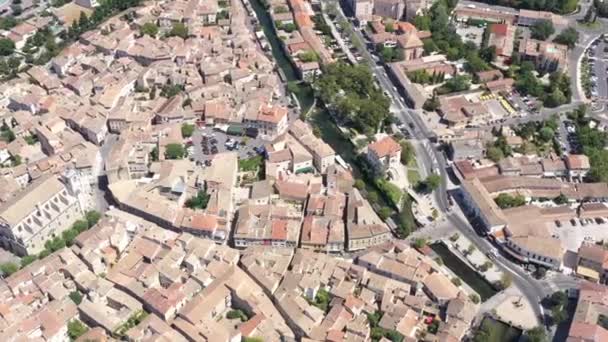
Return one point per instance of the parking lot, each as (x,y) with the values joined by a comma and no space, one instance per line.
(470,33)
(568,138)
(597,55)
(572,236)
(206,142)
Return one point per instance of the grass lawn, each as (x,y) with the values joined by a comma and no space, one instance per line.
(251,164)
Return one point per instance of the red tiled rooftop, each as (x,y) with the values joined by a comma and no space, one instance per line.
(279,230)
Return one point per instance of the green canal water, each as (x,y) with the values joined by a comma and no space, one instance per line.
(464,271)
(304,92)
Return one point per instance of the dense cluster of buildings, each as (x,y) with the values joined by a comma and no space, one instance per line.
(118,80)
(394,280)
(136,280)
(296,22)
(365,10)
(522,17)
(524,231)
(589,321)
(125,269)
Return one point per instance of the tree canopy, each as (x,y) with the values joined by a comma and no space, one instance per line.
(542,30)
(568,37)
(150,29)
(179,30)
(351,94)
(175,151)
(7,47)
(556,6)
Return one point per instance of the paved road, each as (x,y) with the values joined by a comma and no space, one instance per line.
(432,159)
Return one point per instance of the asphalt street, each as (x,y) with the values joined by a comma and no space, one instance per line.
(433,160)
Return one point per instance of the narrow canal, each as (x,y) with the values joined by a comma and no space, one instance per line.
(301,90)
(464,271)
(305,94)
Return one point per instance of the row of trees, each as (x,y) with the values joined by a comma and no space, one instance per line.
(105,9)
(556,6)
(65,239)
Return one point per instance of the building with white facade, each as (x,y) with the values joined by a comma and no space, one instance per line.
(40,212)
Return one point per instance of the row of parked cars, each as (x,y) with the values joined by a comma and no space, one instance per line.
(591,54)
(582,221)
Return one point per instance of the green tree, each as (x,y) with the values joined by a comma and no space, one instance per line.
(456,281)
(475,63)
(8,22)
(542,29)
(407,152)
(175,151)
(558,315)
(559,299)
(433,181)
(505,201)
(7,47)
(372,197)
(495,154)
(187,130)
(359,184)
(154,154)
(80,226)
(384,213)
(237,314)
(83,22)
(76,297)
(568,36)
(308,56)
(537,334)
(280,9)
(199,201)
(556,98)
(561,199)
(455,84)
(76,329)
(505,281)
(474,298)
(422,22)
(431,104)
(28,259)
(546,134)
(420,243)
(150,29)
(179,30)
(8,268)
(92,218)
(389,26)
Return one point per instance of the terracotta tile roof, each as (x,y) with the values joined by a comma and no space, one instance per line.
(204,222)
(248,327)
(577,161)
(385,146)
(279,230)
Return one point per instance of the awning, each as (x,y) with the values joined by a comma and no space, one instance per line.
(587,273)
(515,255)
